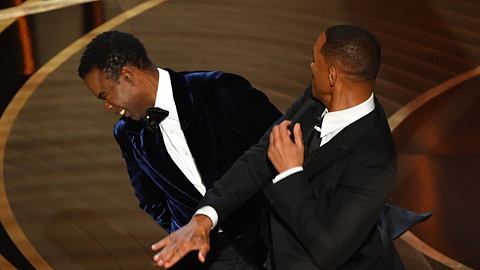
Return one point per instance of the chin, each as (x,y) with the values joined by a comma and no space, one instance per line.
(138,117)
(135,118)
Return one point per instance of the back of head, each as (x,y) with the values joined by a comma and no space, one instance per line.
(354,50)
(112,50)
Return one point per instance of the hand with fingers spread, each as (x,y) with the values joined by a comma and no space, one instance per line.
(282,151)
(193,236)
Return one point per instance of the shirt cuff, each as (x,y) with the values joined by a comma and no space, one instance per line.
(210,212)
(287,173)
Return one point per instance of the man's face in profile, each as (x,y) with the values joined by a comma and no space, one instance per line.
(121,96)
(319,68)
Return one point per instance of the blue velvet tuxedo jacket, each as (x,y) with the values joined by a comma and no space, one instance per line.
(221,116)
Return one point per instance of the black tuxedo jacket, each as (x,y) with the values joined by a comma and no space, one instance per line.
(324,217)
(221,116)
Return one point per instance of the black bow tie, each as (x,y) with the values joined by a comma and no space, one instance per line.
(154,117)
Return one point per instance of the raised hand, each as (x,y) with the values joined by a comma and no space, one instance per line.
(282,151)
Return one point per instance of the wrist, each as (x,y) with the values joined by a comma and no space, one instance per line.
(288,167)
(203,221)
(286,173)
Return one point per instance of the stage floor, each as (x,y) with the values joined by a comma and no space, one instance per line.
(65,197)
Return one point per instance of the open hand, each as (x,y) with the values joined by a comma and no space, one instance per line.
(193,236)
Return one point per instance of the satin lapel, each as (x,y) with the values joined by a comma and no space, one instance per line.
(306,116)
(335,149)
(193,119)
(343,142)
(150,148)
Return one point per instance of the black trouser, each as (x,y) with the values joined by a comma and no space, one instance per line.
(225,257)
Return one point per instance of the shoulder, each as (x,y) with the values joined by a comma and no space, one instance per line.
(376,141)
(236,90)
(233,79)
(217,78)
(224,87)
(213,76)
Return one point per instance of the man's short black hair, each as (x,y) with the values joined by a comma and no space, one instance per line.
(355,49)
(112,50)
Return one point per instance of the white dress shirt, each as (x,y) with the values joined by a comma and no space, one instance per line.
(333,123)
(172,133)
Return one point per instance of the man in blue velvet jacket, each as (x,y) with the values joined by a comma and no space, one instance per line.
(212,118)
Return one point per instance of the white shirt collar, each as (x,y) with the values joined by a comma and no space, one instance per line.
(164,98)
(337,120)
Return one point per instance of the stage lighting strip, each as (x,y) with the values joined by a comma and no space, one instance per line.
(8,118)
(395,120)
(9,15)
(5,265)
(37,6)
(4,24)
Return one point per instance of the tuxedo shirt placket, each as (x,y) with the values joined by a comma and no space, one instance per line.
(314,139)
(173,136)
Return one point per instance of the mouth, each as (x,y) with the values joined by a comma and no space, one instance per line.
(124,113)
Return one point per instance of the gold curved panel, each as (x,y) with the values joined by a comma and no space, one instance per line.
(394,121)
(8,118)
(402,114)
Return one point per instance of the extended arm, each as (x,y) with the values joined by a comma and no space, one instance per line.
(247,175)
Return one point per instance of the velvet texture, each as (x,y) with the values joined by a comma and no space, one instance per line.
(221,116)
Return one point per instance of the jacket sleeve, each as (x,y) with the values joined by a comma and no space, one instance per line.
(333,227)
(252,170)
(151,198)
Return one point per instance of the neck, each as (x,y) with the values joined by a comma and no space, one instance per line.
(348,94)
(149,82)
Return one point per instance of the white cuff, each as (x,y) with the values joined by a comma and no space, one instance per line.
(210,213)
(287,173)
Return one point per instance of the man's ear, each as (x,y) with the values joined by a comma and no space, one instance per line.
(128,74)
(332,76)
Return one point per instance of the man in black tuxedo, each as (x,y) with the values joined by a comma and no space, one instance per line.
(326,168)
(203,121)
